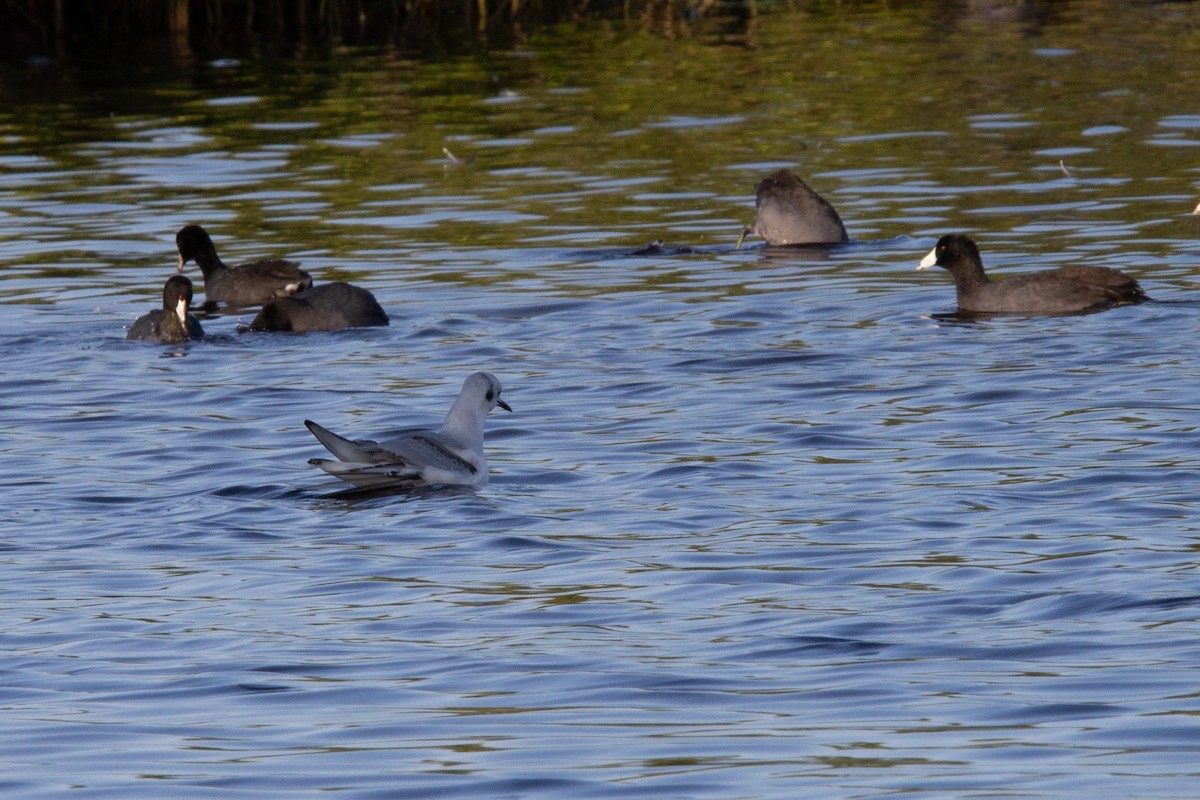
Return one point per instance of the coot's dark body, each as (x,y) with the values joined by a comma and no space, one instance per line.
(1067,290)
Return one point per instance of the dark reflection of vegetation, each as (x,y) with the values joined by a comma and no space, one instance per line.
(57,28)
(42,31)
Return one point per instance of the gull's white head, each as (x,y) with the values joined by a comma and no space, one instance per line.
(484,388)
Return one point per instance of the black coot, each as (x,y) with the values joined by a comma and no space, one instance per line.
(1067,290)
(327,307)
(789,212)
(249,284)
(172,323)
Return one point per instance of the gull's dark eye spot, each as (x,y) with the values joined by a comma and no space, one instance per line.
(490,394)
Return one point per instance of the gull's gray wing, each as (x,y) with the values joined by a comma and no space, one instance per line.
(363,450)
(410,459)
(434,452)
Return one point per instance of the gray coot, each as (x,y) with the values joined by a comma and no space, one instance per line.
(249,284)
(172,323)
(1067,290)
(327,307)
(789,212)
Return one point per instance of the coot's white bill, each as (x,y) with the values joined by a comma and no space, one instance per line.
(929,260)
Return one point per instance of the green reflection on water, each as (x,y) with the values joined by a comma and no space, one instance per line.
(609,133)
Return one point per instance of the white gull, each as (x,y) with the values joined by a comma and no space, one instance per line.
(452,455)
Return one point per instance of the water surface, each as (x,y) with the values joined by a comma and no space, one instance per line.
(764,523)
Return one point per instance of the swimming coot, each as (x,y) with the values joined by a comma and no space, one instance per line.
(327,307)
(249,284)
(1067,290)
(172,323)
(789,212)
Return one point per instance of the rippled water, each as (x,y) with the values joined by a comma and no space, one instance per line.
(763,524)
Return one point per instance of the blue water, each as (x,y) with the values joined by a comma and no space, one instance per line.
(763,524)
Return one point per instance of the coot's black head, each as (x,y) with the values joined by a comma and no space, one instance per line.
(177,288)
(193,243)
(951,251)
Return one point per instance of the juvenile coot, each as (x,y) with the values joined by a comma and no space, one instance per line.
(327,307)
(789,212)
(453,455)
(172,323)
(249,284)
(1066,290)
